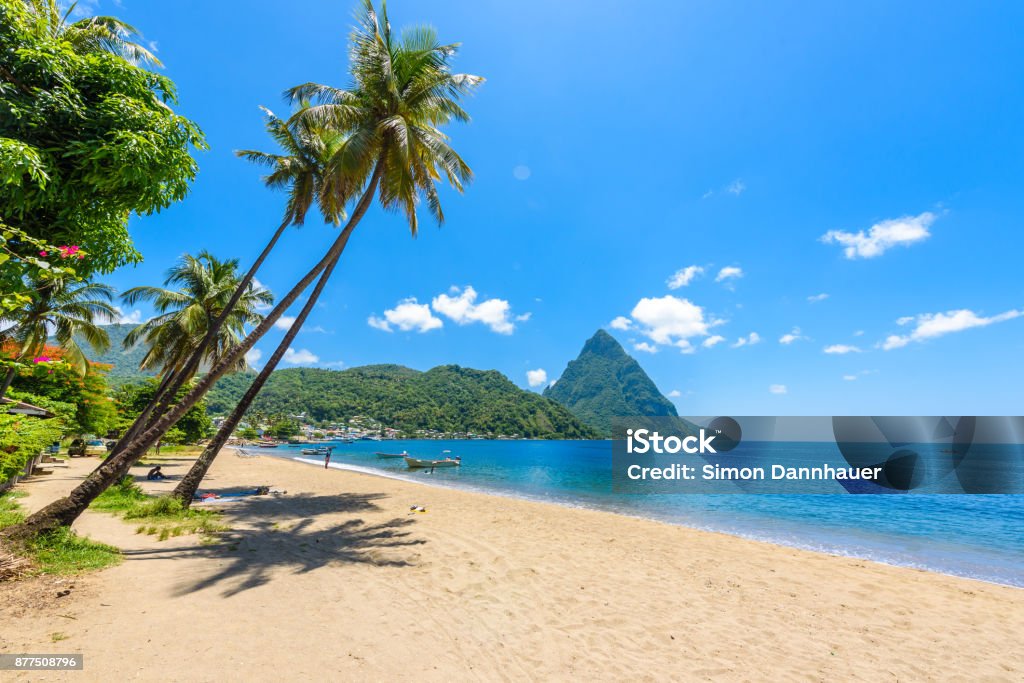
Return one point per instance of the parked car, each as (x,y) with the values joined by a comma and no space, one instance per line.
(83,447)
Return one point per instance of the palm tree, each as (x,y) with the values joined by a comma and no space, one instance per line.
(203,286)
(387,137)
(91,34)
(387,140)
(300,171)
(62,309)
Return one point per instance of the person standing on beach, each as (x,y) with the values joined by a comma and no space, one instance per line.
(327,457)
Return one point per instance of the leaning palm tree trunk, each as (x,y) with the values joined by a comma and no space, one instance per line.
(8,379)
(187,487)
(173,381)
(64,511)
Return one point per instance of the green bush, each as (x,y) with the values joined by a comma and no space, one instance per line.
(21,439)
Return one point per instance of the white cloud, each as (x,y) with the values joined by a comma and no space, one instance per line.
(334,364)
(621,323)
(777,389)
(408,315)
(729,273)
(133,318)
(850,378)
(537,377)
(300,357)
(684,276)
(815,298)
(669,320)
(257,286)
(521,172)
(284,322)
(882,236)
(252,358)
(750,339)
(792,337)
(931,325)
(841,349)
(858,333)
(675,393)
(712,340)
(645,347)
(736,187)
(523,317)
(463,309)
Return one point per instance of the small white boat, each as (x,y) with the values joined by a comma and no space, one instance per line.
(391,455)
(418,463)
(316,451)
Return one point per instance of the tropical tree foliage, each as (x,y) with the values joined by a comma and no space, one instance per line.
(25,260)
(132,399)
(300,168)
(86,137)
(203,286)
(69,310)
(89,34)
(94,413)
(21,439)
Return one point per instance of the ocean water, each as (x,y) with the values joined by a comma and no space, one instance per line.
(976,536)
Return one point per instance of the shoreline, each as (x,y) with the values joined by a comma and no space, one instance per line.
(565,504)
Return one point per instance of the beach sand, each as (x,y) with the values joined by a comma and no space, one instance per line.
(337,580)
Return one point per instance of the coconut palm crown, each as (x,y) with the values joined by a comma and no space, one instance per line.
(203,284)
(402,92)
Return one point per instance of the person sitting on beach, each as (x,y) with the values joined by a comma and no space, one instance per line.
(155,474)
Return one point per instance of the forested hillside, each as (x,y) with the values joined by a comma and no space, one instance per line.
(447,398)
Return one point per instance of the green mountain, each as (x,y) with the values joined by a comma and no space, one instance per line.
(124,364)
(606,382)
(448,398)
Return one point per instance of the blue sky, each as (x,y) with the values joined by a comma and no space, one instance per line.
(871,152)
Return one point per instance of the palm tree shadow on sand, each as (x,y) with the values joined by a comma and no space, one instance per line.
(269,534)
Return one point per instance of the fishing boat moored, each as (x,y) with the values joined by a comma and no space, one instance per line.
(384,456)
(421,463)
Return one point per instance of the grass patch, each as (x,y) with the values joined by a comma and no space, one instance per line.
(58,636)
(57,552)
(161,516)
(10,511)
(64,552)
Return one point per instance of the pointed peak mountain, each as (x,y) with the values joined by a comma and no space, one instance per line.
(604,344)
(605,382)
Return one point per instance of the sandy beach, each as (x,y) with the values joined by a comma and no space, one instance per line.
(338,579)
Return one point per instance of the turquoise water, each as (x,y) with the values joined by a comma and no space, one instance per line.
(981,537)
